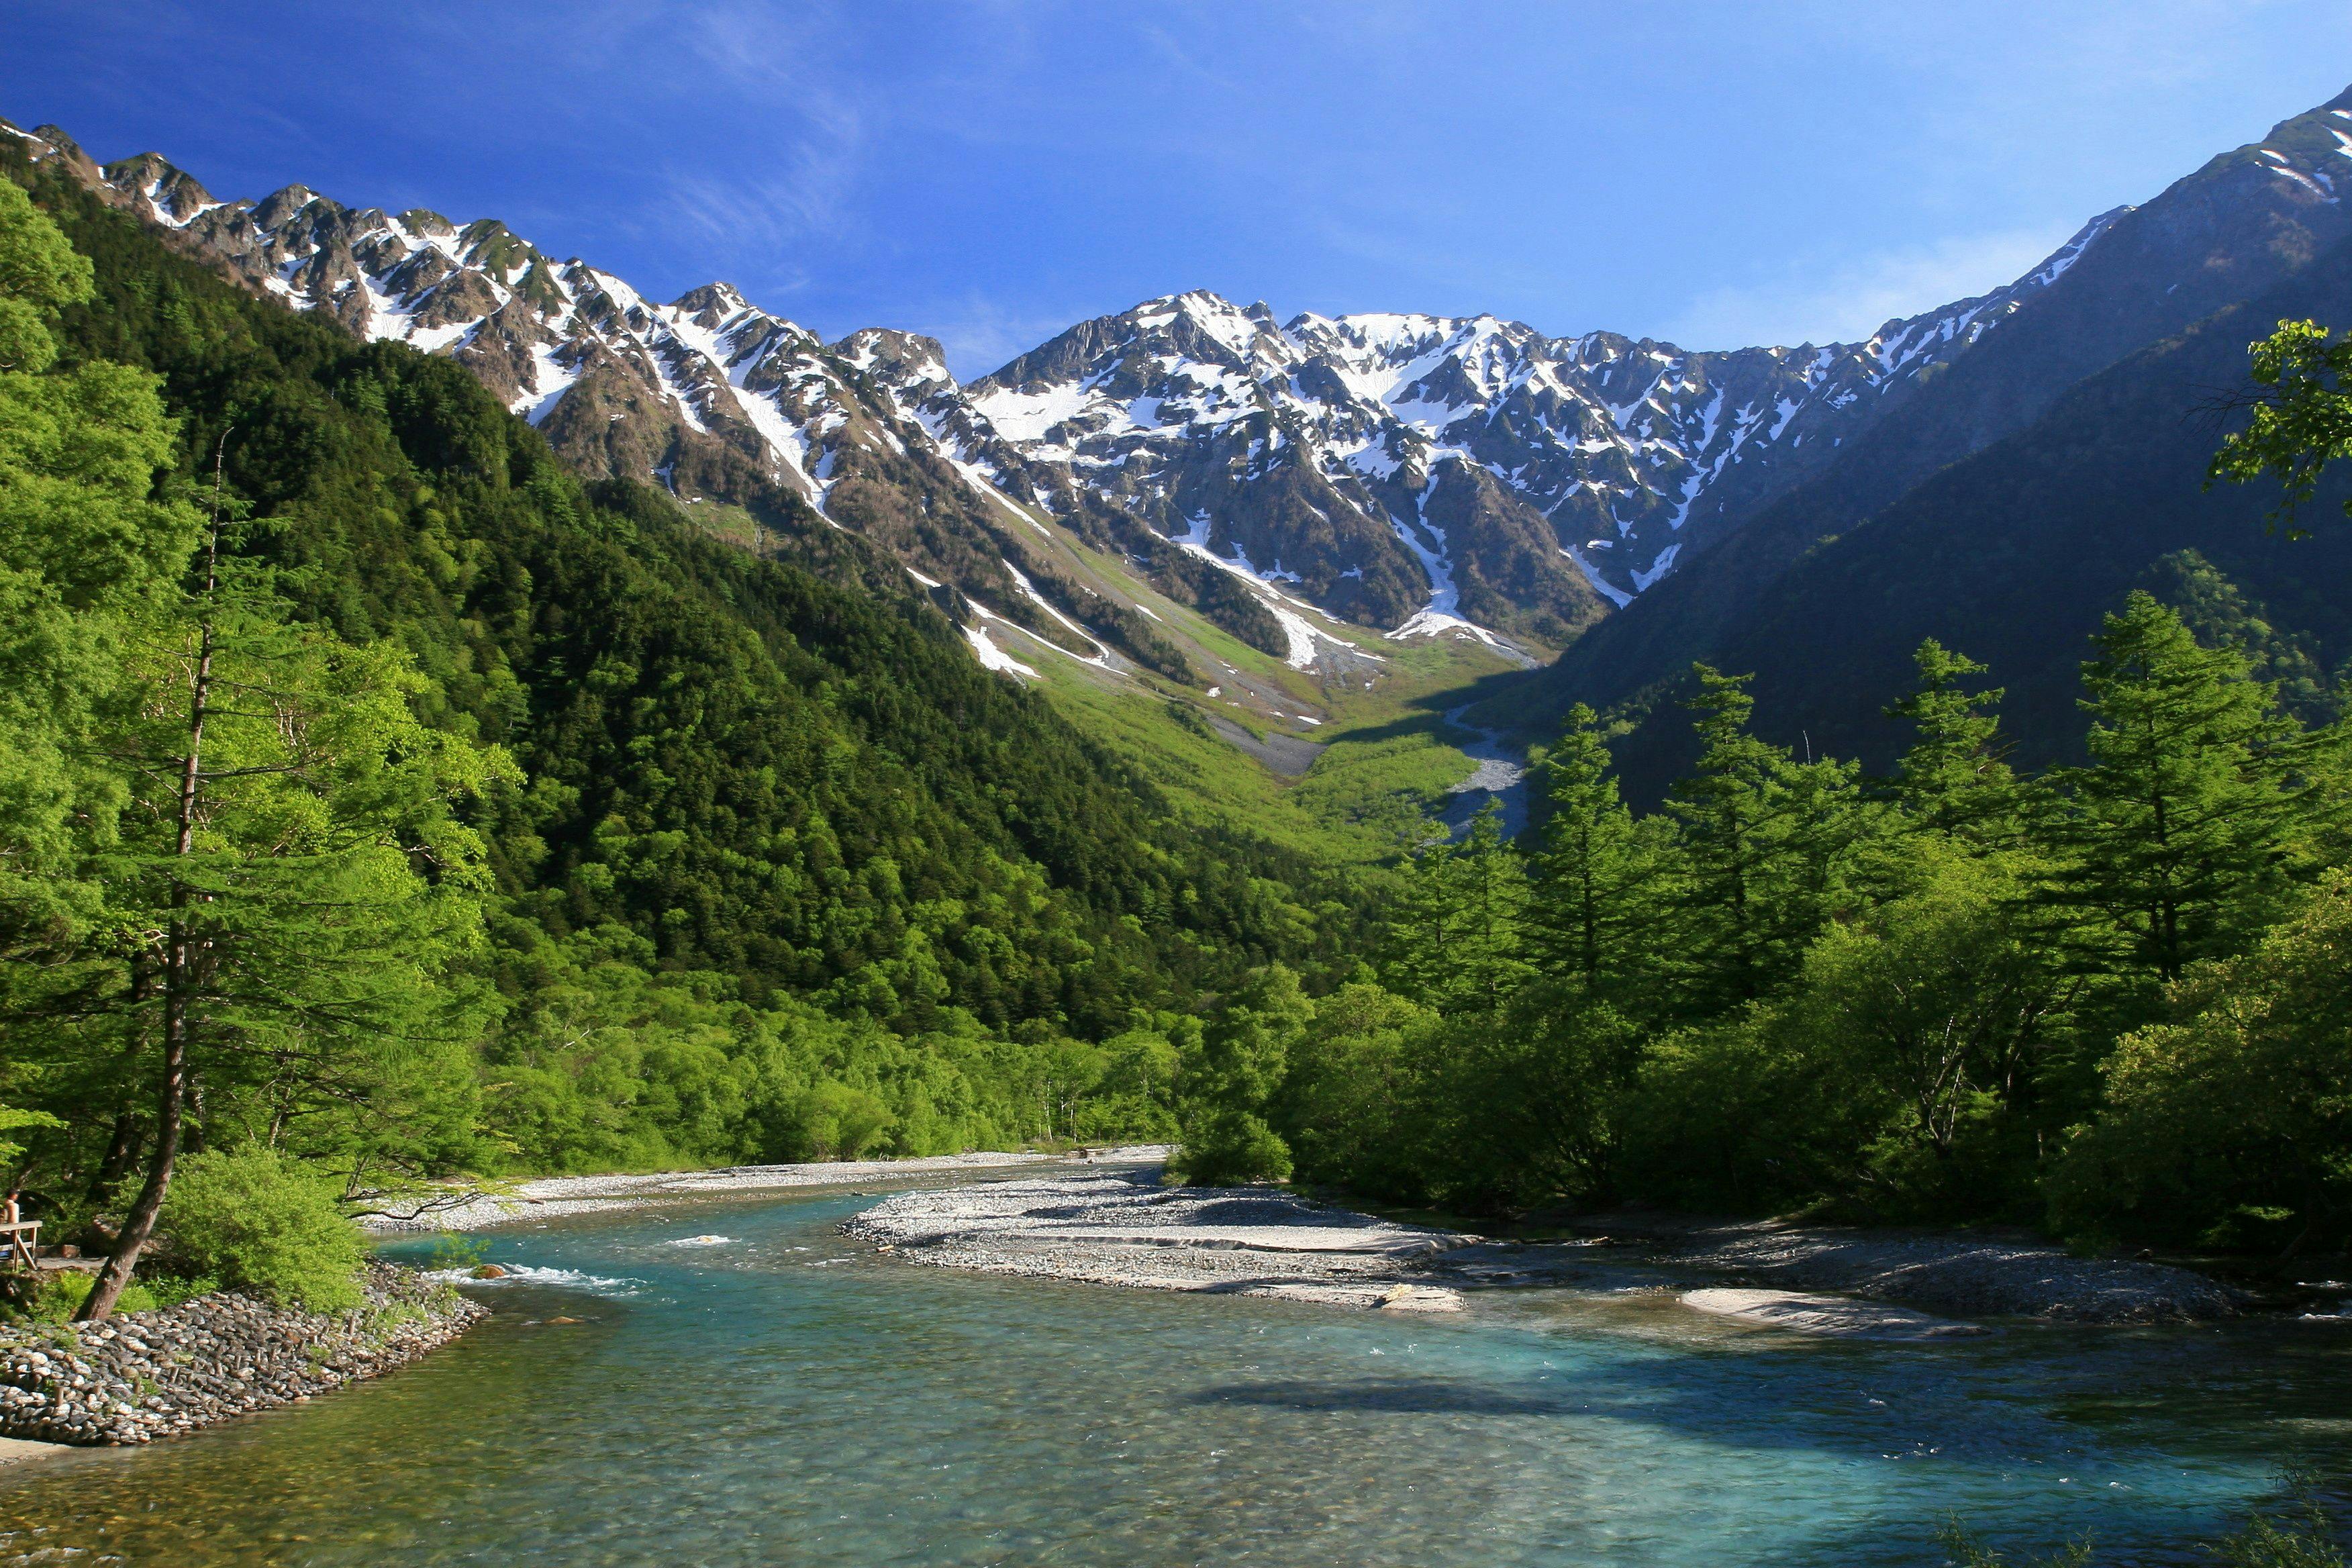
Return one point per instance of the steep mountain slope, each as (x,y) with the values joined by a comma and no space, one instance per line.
(1194,494)
(2220,236)
(2012,555)
(1416,471)
(781,782)
(1419,474)
(782,440)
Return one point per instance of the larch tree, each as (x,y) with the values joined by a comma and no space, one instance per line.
(1593,871)
(2176,843)
(301,891)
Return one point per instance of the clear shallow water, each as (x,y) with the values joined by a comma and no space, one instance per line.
(782,1397)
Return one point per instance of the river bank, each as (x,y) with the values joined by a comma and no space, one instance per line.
(1124,1228)
(144,1375)
(790,1394)
(545,1197)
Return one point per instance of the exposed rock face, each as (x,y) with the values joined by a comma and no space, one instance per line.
(2247,223)
(708,396)
(1404,467)
(145,1376)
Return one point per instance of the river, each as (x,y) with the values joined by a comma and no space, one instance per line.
(786,1397)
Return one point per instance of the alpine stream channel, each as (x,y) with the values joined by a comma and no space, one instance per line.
(741,1384)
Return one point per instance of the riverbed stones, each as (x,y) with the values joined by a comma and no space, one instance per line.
(1125,1229)
(146,1376)
(1826,1317)
(1965,1276)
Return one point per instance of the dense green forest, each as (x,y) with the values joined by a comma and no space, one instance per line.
(2113,1000)
(379,802)
(375,792)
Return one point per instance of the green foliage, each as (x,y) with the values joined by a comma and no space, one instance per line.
(1348,1099)
(1231,1075)
(257,1222)
(1594,865)
(57,1298)
(2175,841)
(11,1121)
(453,814)
(2304,1534)
(2220,615)
(1456,940)
(1890,1003)
(2232,1122)
(1527,1104)
(1952,780)
(536,828)
(2301,420)
(1227,1147)
(1969,1552)
(39,272)
(83,544)
(1764,847)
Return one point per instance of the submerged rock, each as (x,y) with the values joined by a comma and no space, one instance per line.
(1833,1317)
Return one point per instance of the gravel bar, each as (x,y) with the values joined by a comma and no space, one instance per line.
(477,1209)
(1125,1229)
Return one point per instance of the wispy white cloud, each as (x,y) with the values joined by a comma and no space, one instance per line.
(1847,299)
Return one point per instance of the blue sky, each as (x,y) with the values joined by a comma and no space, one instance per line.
(991,170)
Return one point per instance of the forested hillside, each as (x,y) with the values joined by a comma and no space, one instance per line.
(694,855)
(2014,496)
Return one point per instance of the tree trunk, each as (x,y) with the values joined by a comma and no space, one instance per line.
(180,961)
(139,1224)
(122,1146)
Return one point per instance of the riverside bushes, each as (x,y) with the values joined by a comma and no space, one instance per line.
(257,1222)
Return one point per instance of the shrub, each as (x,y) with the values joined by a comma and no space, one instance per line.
(2230,1124)
(836,1121)
(261,1224)
(56,1298)
(1232,1147)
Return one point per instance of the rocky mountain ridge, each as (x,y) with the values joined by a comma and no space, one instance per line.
(2208,249)
(1468,478)
(1417,475)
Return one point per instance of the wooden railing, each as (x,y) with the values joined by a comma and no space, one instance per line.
(22,1249)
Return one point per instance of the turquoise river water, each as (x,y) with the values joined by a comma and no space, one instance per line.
(784,1397)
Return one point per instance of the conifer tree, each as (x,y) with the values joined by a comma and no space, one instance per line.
(1457,943)
(299,890)
(2177,840)
(1953,781)
(1733,928)
(1593,871)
